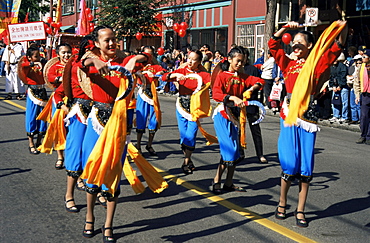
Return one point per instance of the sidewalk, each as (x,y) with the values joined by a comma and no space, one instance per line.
(326,123)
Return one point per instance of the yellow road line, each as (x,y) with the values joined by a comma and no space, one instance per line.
(14,104)
(237,209)
(219,200)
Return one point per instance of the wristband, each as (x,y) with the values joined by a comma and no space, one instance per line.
(60,104)
(339,44)
(226,98)
(275,37)
(83,62)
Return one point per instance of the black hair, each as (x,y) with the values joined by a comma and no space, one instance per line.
(232,53)
(207,46)
(86,40)
(308,36)
(95,32)
(199,53)
(219,52)
(31,50)
(63,44)
(352,49)
(149,47)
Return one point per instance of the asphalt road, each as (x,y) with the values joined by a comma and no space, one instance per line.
(32,208)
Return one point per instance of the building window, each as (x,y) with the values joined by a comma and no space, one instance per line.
(289,11)
(251,37)
(68,6)
(245,36)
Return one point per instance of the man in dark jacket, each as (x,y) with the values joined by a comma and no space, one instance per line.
(338,82)
(253,112)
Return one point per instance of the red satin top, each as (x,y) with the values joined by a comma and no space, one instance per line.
(187,86)
(235,84)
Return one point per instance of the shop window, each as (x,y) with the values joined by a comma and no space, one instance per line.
(289,11)
(68,6)
(251,37)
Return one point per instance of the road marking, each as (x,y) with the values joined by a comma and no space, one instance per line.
(221,201)
(237,209)
(14,104)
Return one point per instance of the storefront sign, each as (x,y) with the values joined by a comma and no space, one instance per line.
(312,16)
(27,31)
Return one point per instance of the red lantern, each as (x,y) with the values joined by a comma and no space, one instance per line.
(182,33)
(176,27)
(53,24)
(49,20)
(48,30)
(58,25)
(88,11)
(91,24)
(91,28)
(160,51)
(183,26)
(287,38)
(139,36)
(90,17)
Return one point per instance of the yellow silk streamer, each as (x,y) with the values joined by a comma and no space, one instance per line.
(46,113)
(210,138)
(243,120)
(155,181)
(157,108)
(200,107)
(104,163)
(200,104)
(134,181)
(132,104)
(56,133)
(306,79)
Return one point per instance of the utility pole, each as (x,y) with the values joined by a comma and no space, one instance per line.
(50,50)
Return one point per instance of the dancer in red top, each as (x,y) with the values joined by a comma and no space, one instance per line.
(54,77)
(31,74)
(104,86)
(190,78)
(296,143)
(145,106)
(228,90)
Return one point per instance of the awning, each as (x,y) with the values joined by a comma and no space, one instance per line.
(67,28)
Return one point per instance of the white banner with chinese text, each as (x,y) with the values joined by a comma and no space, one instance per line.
(27,31)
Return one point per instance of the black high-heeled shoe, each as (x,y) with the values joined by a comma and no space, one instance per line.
(33,150)
(300,222)
(215,190)
(88,233)
(185,168)
(191,165)
(151,150)
(59,164)
(280,215)
(107,239)
(72,209)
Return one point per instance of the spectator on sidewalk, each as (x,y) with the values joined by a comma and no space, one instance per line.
(362,91)
(267,76)
(12,54)
(2,64)
(351,78)
(338,82)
